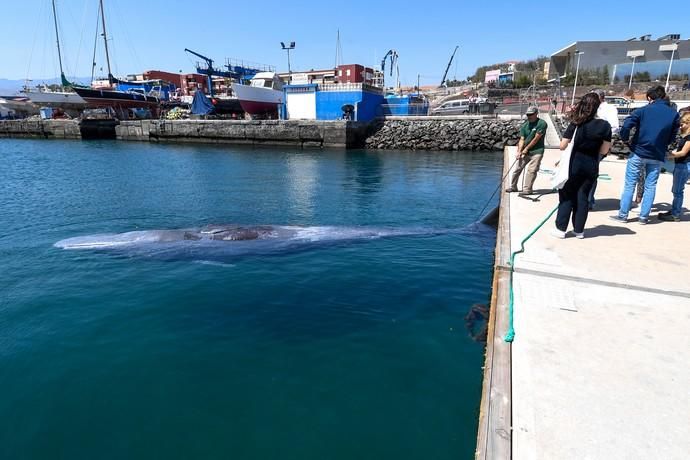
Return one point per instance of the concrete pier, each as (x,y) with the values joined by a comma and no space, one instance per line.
(48,129)
(599,365)
(301,133)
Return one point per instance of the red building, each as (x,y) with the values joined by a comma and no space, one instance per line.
(354,73)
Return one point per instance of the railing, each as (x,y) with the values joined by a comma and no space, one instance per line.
(349,87)
(404,110)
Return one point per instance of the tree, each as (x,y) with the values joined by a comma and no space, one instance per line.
(605,75)
(522,81)
(642,76)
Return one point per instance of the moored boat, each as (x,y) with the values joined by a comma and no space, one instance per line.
(262,96)
(120,101)
(43,96)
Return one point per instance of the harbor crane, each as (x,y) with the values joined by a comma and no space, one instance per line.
(209,70)
(445,74)
(237,70)
(393,55)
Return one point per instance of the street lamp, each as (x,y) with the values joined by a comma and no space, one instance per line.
(577,71)
(672,48)
(634,54)
(288,47)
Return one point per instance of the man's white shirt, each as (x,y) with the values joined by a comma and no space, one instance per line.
(609,113)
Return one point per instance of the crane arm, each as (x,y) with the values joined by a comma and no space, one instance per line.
(445,74)
(209,61)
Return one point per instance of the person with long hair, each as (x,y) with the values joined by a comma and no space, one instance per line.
(680,171)
(591,141)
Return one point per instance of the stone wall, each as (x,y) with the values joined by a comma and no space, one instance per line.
(135,130)
(302,133)
(56,129)
(299,133)
(454,134)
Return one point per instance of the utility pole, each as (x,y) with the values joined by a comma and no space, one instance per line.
(288,47)
(577,70)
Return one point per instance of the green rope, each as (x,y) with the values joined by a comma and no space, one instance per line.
(604,177)
(510,335)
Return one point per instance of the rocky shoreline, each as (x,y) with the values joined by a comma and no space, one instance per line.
(470,134)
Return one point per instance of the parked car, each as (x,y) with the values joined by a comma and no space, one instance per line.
(619,101)
(456,107)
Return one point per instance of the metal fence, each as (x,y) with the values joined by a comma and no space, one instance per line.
(404,110)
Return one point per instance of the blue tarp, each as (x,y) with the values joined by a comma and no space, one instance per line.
(200,104)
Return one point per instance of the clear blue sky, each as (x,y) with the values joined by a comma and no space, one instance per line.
(152,34)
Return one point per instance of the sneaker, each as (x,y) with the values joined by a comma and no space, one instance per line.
(580,235)
(617,218)
(556,233)
(643,220)
(525,192)
(511,190)
(668,217)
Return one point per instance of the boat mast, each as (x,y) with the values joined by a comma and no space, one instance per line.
(57,38)
(105,40)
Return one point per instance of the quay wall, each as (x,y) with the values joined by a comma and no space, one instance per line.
(55,129)
(412,134)
(300,133)
(443,134)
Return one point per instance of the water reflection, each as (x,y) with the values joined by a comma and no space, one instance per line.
(364,170)
(302,180)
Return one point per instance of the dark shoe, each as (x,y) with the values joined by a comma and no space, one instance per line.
(668,217)
(643,220)
(617,218)
(511,190)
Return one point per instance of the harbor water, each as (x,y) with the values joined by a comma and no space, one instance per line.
(353,349)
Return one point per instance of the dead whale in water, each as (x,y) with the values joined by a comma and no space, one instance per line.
(224,242)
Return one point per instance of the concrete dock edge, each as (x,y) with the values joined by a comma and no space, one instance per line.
(494,436)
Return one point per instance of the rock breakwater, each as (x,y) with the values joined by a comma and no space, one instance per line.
(466,134)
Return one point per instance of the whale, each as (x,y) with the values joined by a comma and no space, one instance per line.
(223,242)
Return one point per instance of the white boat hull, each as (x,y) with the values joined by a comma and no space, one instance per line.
(257,100)
(56,99)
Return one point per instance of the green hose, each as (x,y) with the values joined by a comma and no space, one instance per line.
(510,335)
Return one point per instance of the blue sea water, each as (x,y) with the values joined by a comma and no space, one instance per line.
(355,350)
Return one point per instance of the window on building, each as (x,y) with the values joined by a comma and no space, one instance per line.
(348,72)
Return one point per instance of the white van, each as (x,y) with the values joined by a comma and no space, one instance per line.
(456,107)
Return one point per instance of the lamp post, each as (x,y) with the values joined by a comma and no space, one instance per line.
(288,47)
(634,54)
(672,48)
(577,71)
(632,72)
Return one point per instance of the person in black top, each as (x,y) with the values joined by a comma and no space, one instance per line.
(680,171)
(592,140)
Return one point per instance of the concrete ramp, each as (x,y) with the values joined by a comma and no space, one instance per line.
(553,138)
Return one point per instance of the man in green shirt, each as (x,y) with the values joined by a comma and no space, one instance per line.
(529,152)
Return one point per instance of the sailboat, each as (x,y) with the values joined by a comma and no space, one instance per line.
(43,96)
(120,101)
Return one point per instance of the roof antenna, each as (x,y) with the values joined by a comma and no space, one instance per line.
(338,51)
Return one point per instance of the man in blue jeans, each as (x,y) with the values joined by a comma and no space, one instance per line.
(656,126)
